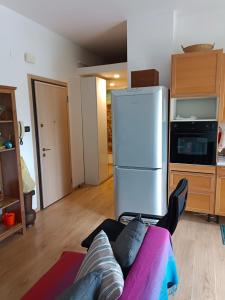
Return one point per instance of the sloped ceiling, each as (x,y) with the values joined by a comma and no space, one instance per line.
(98,25)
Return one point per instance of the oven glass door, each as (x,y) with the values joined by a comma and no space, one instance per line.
(193,148)
(192,145)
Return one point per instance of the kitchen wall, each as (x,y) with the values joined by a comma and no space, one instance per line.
(154,36)
(56,58)
(149,42)
(199,27)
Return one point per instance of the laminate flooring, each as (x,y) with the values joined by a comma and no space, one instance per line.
(199,252)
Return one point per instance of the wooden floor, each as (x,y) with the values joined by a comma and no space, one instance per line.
(198,248)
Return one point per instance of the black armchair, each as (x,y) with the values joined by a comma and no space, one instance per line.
(177,203)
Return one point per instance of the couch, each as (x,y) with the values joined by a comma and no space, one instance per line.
(152,273)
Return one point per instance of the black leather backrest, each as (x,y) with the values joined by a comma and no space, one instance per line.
(180,195)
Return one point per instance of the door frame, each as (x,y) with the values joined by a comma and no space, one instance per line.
(35,137)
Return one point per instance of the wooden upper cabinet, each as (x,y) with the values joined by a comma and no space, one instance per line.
(220,192)
(196,74)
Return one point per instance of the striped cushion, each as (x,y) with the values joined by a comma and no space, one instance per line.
(100,258)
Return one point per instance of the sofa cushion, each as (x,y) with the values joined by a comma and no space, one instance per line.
(128,242)
(111,227)
(86,288)
(100,258)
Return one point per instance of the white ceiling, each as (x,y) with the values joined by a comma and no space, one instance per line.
(118,83)
(107,72)
(98,25)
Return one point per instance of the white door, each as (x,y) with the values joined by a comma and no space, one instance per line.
(137,127)
(54,142)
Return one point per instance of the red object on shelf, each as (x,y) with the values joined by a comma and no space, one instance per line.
(9,219)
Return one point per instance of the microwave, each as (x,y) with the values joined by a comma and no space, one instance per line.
(193,142)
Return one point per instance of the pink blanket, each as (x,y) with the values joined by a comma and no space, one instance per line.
(154,268)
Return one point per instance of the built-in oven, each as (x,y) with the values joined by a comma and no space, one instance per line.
(193,142)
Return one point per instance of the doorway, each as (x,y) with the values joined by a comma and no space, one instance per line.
(118,80)
(116,77)
(51,123)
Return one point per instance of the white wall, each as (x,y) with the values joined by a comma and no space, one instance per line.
(56,58)
(149,42)
(199,27)
(154,36)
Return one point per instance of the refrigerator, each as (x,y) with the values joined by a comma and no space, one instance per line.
(140,150)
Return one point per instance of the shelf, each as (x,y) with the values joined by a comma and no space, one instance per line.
(6,121)
(10,175)
(7,150)
(7,201)
(6,231)
(194,120)
(201,109)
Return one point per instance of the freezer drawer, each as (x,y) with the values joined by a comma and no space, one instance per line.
(140,190)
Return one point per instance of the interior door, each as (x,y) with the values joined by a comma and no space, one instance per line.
(54,142)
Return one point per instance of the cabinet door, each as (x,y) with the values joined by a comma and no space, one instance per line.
(93,96)
(196,74)
(220,192)
(222,93)
(201,188)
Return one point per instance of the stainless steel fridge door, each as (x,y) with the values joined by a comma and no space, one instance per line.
(139,127)
(140,190)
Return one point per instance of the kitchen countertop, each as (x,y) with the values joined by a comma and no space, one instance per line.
(221,161)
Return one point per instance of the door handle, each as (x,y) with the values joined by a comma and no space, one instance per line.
(45,149)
